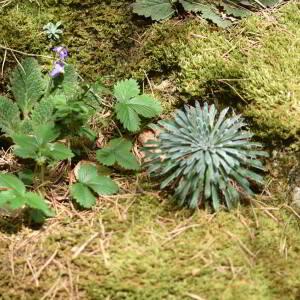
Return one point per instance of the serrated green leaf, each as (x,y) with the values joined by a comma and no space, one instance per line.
(126,89)
(59,151)
(9,116)
(236,11)
(26,176)
(103,185)
(45,133)
(26,146)
(128,117)
(157,10)
(36,201)
(193,6)
(28,84)
(11,182)
(7,197)
(118,151)
(11,200)
(131,106)
(86,173)
(82,195)
(43,113)
(145,106)
(67,85)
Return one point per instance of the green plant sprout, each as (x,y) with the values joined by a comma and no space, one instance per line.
(53,31)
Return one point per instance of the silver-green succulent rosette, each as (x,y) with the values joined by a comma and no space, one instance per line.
(207,157)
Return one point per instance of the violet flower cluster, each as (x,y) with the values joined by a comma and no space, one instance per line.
(59,65)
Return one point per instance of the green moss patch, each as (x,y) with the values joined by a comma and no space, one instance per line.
(254,67)
(146,250)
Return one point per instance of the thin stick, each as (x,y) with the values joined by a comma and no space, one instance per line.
(24,53)
(39,272)
(83,246)
(3,63)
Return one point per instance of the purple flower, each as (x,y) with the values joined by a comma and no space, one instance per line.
(58,69)
(61,51)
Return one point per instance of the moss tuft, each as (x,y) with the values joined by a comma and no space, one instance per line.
(254,67)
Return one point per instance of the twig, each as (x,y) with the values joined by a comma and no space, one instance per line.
(83,246)
(24,53)
(3,63)
(38,274)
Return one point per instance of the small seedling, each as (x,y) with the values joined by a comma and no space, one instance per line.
(53,31)
(89,183)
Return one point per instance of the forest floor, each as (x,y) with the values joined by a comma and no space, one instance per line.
(138,245)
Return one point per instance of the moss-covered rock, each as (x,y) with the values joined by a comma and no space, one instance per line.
(254,67)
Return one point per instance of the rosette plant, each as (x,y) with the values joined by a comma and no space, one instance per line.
(208,158)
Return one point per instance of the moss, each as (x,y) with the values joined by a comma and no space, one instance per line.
(98,35)
(254,67)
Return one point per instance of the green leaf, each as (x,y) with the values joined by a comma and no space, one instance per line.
(86,173)
(26,146)
(7,197)
(35,201)
(28,84)
(103,185)
(155,9)
(67,85)
(128,117)
(236,11)
(11,182)
(9,115)
(11,200)
(43,112)
(59,151)
(131,106)
(70,82)
(118,151)
(45,133)
(126,89)
(145,106)
(82,194)
(26,176)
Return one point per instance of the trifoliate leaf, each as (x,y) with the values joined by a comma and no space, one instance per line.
(118,151)
(155,9)
(128,117)
(102,185)
(131,106)
(82,194)
(145,106)
(86,172)
(126,89)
